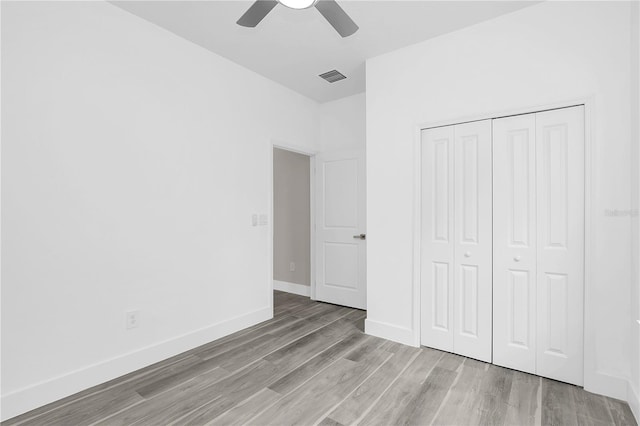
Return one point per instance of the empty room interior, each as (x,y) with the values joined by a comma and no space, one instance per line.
(320,212)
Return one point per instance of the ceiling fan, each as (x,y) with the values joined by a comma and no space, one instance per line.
(331,11)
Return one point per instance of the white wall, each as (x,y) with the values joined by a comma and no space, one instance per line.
(291,217)
(342,123)
(634,388)
(132,161)
(544,54)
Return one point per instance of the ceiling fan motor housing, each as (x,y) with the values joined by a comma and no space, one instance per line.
(298,4)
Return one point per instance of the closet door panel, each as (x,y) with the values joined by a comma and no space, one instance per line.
(473,240)
(560,268)
(514,242)
(437,239)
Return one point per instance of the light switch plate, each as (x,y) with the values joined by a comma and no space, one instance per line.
(132,319)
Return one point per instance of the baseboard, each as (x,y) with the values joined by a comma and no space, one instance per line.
(390,332)
(633,398)
(26,399)
(299,289)
(605,384)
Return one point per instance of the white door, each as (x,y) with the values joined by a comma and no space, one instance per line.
(472,240)
(560,273)
(340,229)
(514,242)
(437,260)
(539,243)
(456,237)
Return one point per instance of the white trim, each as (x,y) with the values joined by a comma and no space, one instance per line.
(312,236)
(417,234)
(633,398)
(28,398)
(605,384)
(299,289)
(390,332)
(312,230)
(594,380)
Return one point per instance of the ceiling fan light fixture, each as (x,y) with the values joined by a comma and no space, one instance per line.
(298,4)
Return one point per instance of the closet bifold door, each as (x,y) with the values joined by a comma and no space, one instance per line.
(538,259)
(456,239)
(473,240)
(514,242)
(437,262)
(560,274)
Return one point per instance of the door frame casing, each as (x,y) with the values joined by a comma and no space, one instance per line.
(593,380)
(279,144)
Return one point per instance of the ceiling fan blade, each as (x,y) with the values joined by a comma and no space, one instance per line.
(337,17)
(256,13)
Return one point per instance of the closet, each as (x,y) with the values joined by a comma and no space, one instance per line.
(456,239)
(502,244)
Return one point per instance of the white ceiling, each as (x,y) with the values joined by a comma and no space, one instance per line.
(293,46)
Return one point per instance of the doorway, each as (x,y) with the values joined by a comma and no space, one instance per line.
(292,222)
(318,239)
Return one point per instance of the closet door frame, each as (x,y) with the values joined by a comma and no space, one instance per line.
(592,379)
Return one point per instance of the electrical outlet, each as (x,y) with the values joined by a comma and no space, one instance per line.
(132,319)
(292,266)
(263,219)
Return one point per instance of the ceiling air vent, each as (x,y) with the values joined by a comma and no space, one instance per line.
(333,76)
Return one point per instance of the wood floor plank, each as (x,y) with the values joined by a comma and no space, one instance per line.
(251,351)
(307,311)
(172,403)
(354,406)
(329,422)
(302,349)
(420,368)
(494,395)
(432,392)
(395,400)
(94,408)
(309,403)
(200,415)
(330,316)
(358,354)
(242,385)
(523,408)
(241,413)
(248,381)
(162,384)
(312,364)
(558,405)
(392,403)
(211,350)
(460,405)
(450,361)
(591,406)
(588,421)
(356,314)
(316,364)
(123,384)
(621,413)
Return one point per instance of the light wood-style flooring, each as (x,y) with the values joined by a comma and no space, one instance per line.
(312,364)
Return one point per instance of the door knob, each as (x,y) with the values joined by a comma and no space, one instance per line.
(361,236)
(517,258)
(467,254)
